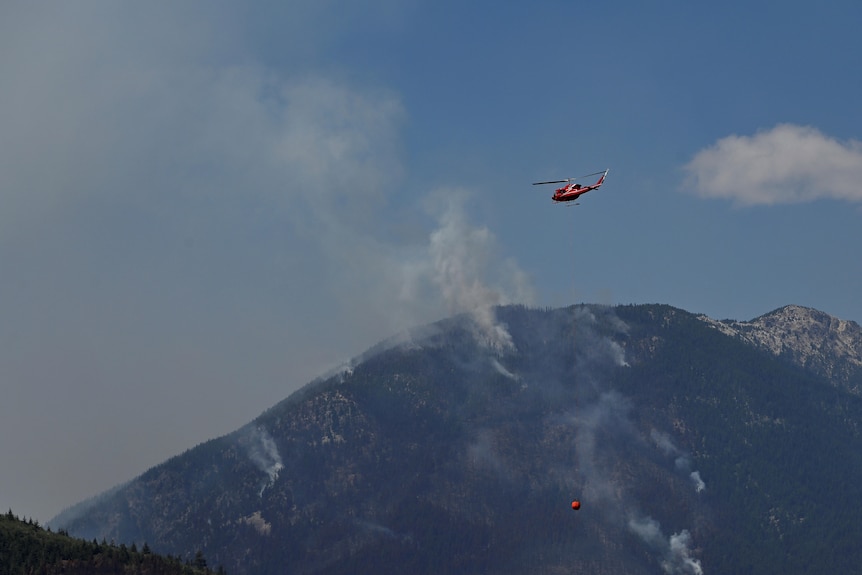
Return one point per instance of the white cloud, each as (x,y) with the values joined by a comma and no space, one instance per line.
(787,164)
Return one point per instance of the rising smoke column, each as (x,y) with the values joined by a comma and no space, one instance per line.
(263,452)
(463,262)
(682,461)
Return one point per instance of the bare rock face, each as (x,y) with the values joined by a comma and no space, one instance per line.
(809,338)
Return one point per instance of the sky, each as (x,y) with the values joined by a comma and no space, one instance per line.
(205,205)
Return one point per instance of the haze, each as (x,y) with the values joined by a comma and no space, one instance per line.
(206,205)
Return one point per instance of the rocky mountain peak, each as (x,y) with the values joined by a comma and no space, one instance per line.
(809,338)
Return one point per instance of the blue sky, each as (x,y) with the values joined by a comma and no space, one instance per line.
(207,204)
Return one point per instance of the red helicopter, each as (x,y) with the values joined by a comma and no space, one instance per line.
(572,191)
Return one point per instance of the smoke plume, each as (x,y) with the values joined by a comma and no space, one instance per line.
(604,420)
(463,261)
(682,461)
(263,452)
(676,557)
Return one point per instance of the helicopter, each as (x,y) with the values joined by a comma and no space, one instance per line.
(572,191)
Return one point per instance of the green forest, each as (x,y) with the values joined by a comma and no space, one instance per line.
(26,548)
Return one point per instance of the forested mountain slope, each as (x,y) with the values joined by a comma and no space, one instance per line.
(459,447)
(27,548)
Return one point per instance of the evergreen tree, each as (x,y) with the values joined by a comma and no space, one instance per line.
(200,562)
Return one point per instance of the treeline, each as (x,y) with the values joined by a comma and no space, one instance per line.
(26,548)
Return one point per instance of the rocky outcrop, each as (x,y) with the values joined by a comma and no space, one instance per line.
(809,338)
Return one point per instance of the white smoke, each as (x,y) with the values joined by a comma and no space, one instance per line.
(257,521)
(374,528)
(619,354)
(648,530)
(605,415)
(610,412)
(699,485)
(263,452)
(679,559)
(483,453)
(607,419)
(500,368)
(463,261)
(682,460)
(675,553)
(595,350)
(663,442)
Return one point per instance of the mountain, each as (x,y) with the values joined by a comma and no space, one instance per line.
(692,445)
